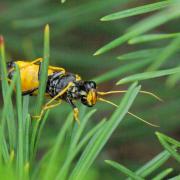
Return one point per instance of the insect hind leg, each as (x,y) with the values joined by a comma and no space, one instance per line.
(57,69)
(46,108)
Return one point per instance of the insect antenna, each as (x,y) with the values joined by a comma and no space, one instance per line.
(123,91)
(137,117)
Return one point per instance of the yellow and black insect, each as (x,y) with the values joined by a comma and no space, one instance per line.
(61,85)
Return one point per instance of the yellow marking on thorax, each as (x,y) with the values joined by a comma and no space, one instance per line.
(78,78)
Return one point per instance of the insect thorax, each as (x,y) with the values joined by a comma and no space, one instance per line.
(57,82)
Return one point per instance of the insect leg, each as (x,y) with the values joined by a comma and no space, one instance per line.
(48,104)
(58,69)
(53,105)
(75,110)
(36,61)
(46,108)
(29,64)
(60,93)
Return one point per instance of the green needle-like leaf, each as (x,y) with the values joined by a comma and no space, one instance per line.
(41,90)
(163,174)
(64,170)
(141,54)
(153,164)
(164,141)
(5,87)
(167,52)
(173,79)
(122,70)
(20,151)
(143,26)
(136,11)
(123,169)
(55,150)
(101,137)
(44,69)
(169,139)
(148,75)
(79,132)
(175,178)
(152,37)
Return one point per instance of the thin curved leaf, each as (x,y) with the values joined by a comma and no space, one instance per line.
(136,11)
(148,75)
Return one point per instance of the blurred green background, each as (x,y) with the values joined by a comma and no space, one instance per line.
(76,33)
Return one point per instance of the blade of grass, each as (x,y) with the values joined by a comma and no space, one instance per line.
(123,169)
(141,54)
(143,26)
(152,37)
(3,147)
(39,131)
(148,75)
(44,69)
(26,126)
(153,164)
(121,70)
(41,90)
(163,174)
(175,178)
(66,166)
(26,143)
(5,111)
(101,137)
(173,79)
(169,139)
(170,149)
(55,150)
(80,131)
(20,151)
(10,115)
(84,140)
(136,11)
(75,128)
(44,160)
(25,109)
(167,52)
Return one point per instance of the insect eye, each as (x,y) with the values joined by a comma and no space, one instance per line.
(90,85)
(10,64)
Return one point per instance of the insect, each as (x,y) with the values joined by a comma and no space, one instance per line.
(61,85)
